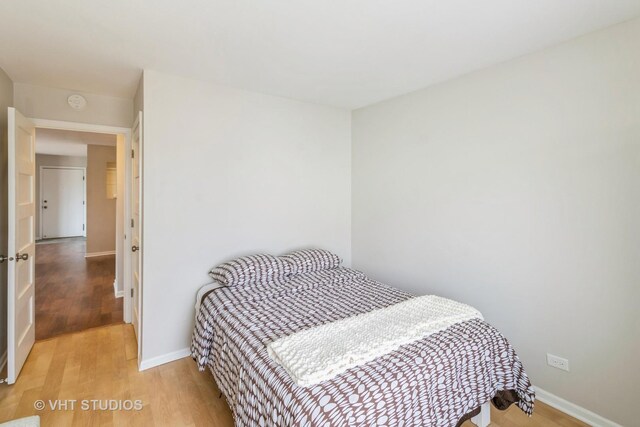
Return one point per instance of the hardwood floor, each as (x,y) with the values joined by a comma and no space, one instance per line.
(101,364)
(73,293)
(543,416)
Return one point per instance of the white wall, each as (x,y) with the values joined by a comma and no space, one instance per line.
(228,173)
(517,189)
(138,99)
(51,103)
(6,100)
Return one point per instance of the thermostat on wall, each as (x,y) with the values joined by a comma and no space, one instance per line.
(77,102)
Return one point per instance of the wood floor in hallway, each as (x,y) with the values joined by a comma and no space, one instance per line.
(73,293)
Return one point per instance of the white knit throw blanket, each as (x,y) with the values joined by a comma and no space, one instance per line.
(320,353)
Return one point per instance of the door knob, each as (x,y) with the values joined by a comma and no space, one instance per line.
(3,259)
(23,257)
(135,248)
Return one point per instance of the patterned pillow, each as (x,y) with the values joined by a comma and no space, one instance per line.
(260,269)
(308,260)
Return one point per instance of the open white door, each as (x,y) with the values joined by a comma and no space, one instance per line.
(136,246)
(22,209)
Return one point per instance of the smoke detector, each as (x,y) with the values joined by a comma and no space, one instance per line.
(77,102)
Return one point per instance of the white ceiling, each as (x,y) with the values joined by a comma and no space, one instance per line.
(346,53)
(69,143)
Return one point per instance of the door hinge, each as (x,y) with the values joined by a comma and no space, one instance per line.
(83,177)
(131,222)
(131,292)
(82,227)
(133,154)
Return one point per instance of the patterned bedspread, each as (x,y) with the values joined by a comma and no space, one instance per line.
(436,381)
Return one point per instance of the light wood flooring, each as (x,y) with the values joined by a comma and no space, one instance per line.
(73,293)
(101,363)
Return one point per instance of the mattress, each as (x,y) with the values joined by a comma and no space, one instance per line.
(439,380)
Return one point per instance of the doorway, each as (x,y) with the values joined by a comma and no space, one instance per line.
(23,208)
(75,255)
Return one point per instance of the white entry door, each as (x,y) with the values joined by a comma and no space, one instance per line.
(136,246)
(62,202)
(22,209)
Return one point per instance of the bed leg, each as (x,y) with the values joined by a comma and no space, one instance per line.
(484,417)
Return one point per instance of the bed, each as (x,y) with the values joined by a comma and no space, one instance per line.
(440,380)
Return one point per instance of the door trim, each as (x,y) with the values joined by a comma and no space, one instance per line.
(138,124)
(39,207)
(112,130)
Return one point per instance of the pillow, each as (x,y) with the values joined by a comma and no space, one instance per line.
(260,269)
(308,260)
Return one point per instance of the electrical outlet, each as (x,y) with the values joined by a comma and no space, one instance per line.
(557,362)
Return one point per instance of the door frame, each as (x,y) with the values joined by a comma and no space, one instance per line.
(137,124)
(84,185)
(125,239)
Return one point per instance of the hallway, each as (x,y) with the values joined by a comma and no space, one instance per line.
(73,293)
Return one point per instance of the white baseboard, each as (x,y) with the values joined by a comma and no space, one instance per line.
(116,292)
(92,254)
(165,358)
(3,360)
(573,410)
